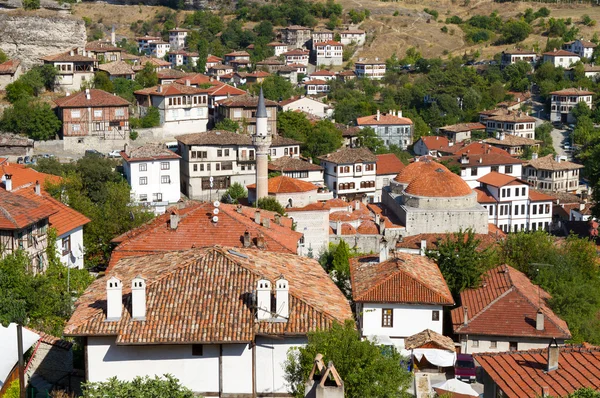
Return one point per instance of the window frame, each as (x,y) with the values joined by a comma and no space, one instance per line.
(387,317)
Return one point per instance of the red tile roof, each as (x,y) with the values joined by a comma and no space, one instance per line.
(98,98)
(171,89)
(496,179)
(536,196)
(479,148)
(506,304)
(572,91)
(217,309)
(484,196)
(18,212)
(296,52)
(560,53)
(432,179)
(283,184)
(522,374)
(433,240)
(68,57)
(367,227)
(350,156)
(406,278)
(388,164)
(348,229)
(213,59)
(486,159)
(463,127)
(435,142)
(25,176)
(328,43)
(9,67)
(384,119)
(196,229)
(327,205)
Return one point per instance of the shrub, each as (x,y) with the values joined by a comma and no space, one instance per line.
(271,204)
(133,135)
(454,20)
(31,4)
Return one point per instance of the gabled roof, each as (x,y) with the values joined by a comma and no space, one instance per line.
(297,51)
(486,159)
(98,98)
(327,205)
(149,152)
(287,163)
(515,117)
(328,43)
(323,72)
(549,163)
(18,212)
(522,374)
(171,89)
(428,338)
(479,148)
(196,229)
(170,74)
(244,101)
(497,180)
(9,67)
(213,59)
(117,68)
(435,142)
(560,53)
(350,155)
(383,119)
(535,196)
(152,60)
(101,46)
(506,304)
(463,127)
(572,91)
(283,184)
(388,164)
(405,278)
(238,54)
(511,140)
(25,176)
(433,240)
(204,296)
(314,82)
(519,51)
(68,57)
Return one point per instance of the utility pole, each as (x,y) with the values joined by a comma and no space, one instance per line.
(21,366)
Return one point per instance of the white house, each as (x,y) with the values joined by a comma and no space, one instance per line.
(352,36)
(182,108)
(235,345)
(461,131)
(158,48)
(307,105)
(563,101)
(183,58)
(152,171)
(552,173)
(512,206)
(144,43)
(351,173)
(516,123)
(73,69)
(316,87)
(473,167)
(506,313)
(391,127)
(514,145)
(510,57)
(583,48)
(297,56)
(433,145)
(398,297)
(278,48)
(370,69)
(328,53)
(10,71)
(388,167)
(561,58)
(177,38)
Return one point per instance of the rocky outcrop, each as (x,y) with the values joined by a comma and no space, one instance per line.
(28,38)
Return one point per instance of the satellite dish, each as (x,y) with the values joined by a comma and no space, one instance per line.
(215,211)
(215,219)
(217,203)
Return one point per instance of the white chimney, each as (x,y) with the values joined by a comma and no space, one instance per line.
(382,226)
(356,205)
(138,299)
(399,113)
(423,247)
(114,299)
(87,94)
(377,217)
(338,227)
(539,320)
(553,356)
(113,36)
(557,158)
(246,239)
(378,115)
(534,156)
(383,250)
(159,89)
(174,220)
(187,82)
(263,299)
(282,298)
(257,217)
(465,315)
(8,182)
(38,189)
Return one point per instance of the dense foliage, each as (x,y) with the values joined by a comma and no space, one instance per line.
(140,387)
(271,204)
(367,371)
(234,193)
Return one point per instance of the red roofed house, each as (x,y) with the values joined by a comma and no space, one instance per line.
(323,74)
(398,297)
(550,372)
(374,70)
(350,173)
(327,53)
(388,166)
(561,58)
(562,103)
(288,191)
(512,206)
(391,127)
(236,56)
(73,69)
(297,56)
(9,72)
(473,167)
(68,223)
(506,313)
(93,113)
(183,108)
(583,48)
(316,87)
(460,132)
(219,319)
(213,60)
(433,145)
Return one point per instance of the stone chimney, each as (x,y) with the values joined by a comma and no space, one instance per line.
(282,298)
(539,320)
(38,189)
(260,241)
(534,156)
(138,299)
(114,299)
(263,299)
(423,247)
(174,219)
(382,226)
(257,216)
(266,222)
(277,219)
(377,218)
(246,239)
(239,209)
(398,113)
(378,116)
(545,391)
(553,356)
(8,182)
(465,315)
(557,158)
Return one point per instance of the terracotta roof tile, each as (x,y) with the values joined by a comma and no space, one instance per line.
(328,43)
(428,337)
(247,101)
(350,156)
(149,152)
(9,67)
(484,196)
(512,140)
(18,212)
(327,205)
(486,159)
(98,98)
(171,89)
(297,51)
(52,340)
(196,229)
(572,91)
(315,82)
(463,127)
(406,278)
(348,229)
(536,196)
(287,163)
(560,53)
(153,61)
(117,68)
(519,51)
(238,54)
(217,308)
(170,74)
(323,72)
(516,117)
(432,179)
(24,176)
(523,374)
(496,179)
(67,57)
(389,164)
(506,304)
(480,148)
(284,184)
(384,119)
(367,227)
(549,163)
(485,240)
(101,46)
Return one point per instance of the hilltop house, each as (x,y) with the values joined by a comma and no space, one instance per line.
(296,36)
(73,69)
(370,69)
(506,313)
(242,109)
(307,105)
(182,108)
(516,123)
(93,113)
(352,36)
(278,48)
(460,132)
(561,58)
(562,103)
(433,145)
(317,87)
(183,58)
(297,56)
(583,48)
(236,345)
(327,53)
(391,127)
(510,57)
(398,297)
(177,38)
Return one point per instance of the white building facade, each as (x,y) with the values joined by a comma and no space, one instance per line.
(328,53)
(562,103)
(391,127)
(351,173)
(370,70)
(583,48)
(177,38)
(562,58)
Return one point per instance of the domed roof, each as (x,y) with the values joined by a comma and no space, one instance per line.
(435,180)
(367,227)
(348,229)
(407,174)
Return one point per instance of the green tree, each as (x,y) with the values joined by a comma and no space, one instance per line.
(323,138)
(202,55)
(294,125)
(124,88)
(147,77)
(48,74)
(367,137)
(3,57)
(461,261)
(102,82)
(340,271)
(228,125)
(515,31)
(18,91)
(139,387)
(366,369)
(34,119)
(235,192)
(271,204)
(31,4)
(275,88)
(585,393)
(151,118)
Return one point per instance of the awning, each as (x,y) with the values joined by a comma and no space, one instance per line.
(435,356)
(8,348)
(455,387)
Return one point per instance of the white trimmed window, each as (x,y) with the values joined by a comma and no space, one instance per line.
(76,114)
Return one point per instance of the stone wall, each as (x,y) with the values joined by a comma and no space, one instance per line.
(28,38)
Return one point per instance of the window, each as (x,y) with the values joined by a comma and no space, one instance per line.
(165,179)
(75,114)
(195,167)
(143,166)
(226,152)
(475,343)
(435,315)
(197,350)
(523,191)
(157,197)
(218,166)
(493,344)
(523,209)
(202,167)
(76,127)
(143,180)
(143,197)
(165,165)
(219,153)
(473,171)
(66,245)
(387,318)
(98,113)
(358,168)
(512,346)
(508,169)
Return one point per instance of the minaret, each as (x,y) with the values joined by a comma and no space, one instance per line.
(262,141)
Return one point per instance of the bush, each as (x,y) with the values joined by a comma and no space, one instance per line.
(515,31)
(235,192)
(444,29)
(271,204)
(151,119)
(456,20)
(31,4)
(432,12)
(3,57)
(133,135)
(141,387)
